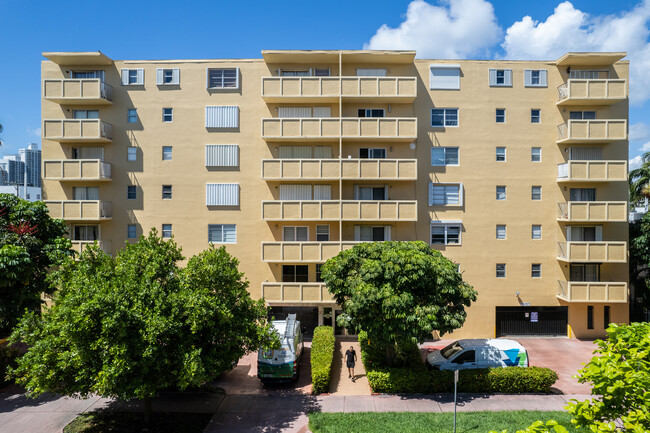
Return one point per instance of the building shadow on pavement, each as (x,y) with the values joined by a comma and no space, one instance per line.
(13,397)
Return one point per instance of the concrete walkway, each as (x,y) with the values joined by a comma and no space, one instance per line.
(340,383)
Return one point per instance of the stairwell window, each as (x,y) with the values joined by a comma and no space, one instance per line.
(536,270)
(131,153)
(222,233)
(501,231)
(501,270)
(444,117)
(536,231)
(535,115)
(167,153)
(131,231)
(536,154)
(501,115)
(445,234)
(441,156)
(167,192)
(167,115)
(536,193)
(131,192)
(166,231)
(501,154)
(131,115)
(501,192)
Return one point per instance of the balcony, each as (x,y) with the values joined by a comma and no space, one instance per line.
(592,92)
(72,91)
(334,210)
(296,292)
(77,130)
(334,169)
(332,128)
(588,291)
(329,89)
(76,170)
(314,252)
(592,252)
(80,246)
(592,131)
(592,171)
(593,211)
(79,210)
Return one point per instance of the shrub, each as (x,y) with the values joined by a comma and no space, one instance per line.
(373,354)
(8,356)
(322,355)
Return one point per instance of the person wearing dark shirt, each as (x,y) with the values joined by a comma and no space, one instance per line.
(350,359)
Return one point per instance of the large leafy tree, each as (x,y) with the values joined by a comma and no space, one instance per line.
(30,244)
(397,291)
(639,179)
(640,258)
(130,326)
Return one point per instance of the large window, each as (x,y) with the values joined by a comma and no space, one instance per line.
(370,112)
(584,272)
(371,234)
(222,116)
(295,234)
(582,115)
(295,273)
(222,233)
(444,156)
(444,117)
(582,194)
(85,233)
(371,193)
(372,153)
(445,194)
(222,194)
(444,77)
(445,234)
(322,233)
(85,114)
(223,78)
(221,155)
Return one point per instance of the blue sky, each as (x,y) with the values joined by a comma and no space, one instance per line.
(214,29)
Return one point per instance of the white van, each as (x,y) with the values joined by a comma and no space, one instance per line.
(284,363)
(479,353)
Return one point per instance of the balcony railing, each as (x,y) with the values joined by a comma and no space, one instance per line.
(80,246)
(593,211)
(592,131)
(76,169)
(335,210)
(75,91)
(77,130)
(592,171)
(315,252)
(354,169)
(79,210)
(296,292)
(592,92)
(598,252)
(329,128)
(592,291)
(322,89)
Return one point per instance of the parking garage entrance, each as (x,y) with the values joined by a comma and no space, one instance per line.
(532,321)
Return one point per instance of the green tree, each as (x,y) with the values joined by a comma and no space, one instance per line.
(620,373)
(397,291)
(640,258)
(639,180)
(30,244)
(130,326)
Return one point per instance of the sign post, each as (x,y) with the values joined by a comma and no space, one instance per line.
(455,394)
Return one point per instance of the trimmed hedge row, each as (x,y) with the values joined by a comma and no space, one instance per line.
(322,355)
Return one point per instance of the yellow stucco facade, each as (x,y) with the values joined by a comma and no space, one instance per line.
(375,145)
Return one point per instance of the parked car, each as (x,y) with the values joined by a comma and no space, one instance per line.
(282,364)
(479,353)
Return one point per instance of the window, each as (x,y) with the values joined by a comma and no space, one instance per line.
(536,270)
(584,234)
(371,72)
(319,277)
(536,193)
(85,193)
(222,194)
(584,272)
(167,153)
(132,77)
(536,154)
(590,317)
(168,114)
(222,116)
(582,115)
(372,234)
(322,233)
(535,115)
(535,78)
(222,233)
(295,73)
(167,192)
(500,77)
(88,74)
(131,153)
(370,112)
(501,270)
(295,234)
(501,115)
(167,76)
(223,78)
(444,77)
(221,155)
(131,231)
(372,153)
(295,273)
(606,319)
(451,195)
(85,233)
(166,231)
(445,234)
(371,193)
(582,194)
(467,357)
(536,231)
(444,156)
(444,117)
(501,192)
(131,192)
(131,115)
(322,72)
(85,114)
(588,74)
(501,154)
(501,231)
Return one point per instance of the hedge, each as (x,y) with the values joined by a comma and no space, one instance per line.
(322,355)
(8,357)
(373,354)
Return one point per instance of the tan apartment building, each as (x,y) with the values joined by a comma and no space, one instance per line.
(515,170)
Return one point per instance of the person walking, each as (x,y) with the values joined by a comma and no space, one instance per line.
(350,359)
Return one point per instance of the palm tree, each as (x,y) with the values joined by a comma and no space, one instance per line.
(639,179)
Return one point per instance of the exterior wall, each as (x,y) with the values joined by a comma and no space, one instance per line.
(477,137)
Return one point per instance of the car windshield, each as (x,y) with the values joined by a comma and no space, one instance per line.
(451,350)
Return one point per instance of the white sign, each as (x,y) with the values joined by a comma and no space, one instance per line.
(455,376)
(534,316)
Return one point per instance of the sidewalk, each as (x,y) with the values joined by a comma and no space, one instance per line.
(340,383)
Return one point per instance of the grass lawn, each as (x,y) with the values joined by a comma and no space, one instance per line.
(413,422)
(133,422)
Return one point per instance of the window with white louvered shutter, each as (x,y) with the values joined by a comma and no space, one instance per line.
(222,194)
(221,155)
(222,116)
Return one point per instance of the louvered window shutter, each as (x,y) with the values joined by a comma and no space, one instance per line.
(125,77)
(176,76)
(493,77)
(159,77)
(140,77)
(528,78)
(507,77)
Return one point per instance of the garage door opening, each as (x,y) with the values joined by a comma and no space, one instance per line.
(308,317)
(532,321)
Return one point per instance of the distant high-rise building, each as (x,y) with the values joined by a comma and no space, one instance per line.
(31,158)
(13,169)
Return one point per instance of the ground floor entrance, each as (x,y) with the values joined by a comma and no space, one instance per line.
(532,321)
(310,317)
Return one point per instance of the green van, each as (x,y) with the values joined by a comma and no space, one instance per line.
(282,364)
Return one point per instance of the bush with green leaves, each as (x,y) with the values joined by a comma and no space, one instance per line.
(373,353)
(322,356)
(550,426)
(8,356)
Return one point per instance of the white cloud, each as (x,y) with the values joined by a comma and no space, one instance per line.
(570,29)
(36,132)
(646,147)
(635,163)
(639,131)
(454,29)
